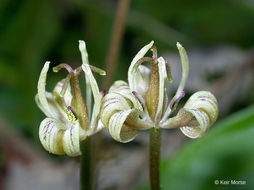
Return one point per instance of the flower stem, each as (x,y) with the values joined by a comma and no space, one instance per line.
(86,166)
(116,40)
(155,142)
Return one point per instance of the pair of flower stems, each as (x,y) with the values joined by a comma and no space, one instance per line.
(140,104)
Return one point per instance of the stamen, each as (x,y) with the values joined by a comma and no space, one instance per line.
(172,106)
(150,60)
(97,70)
(66,84)
(136,95)
(71,114)
(174,103)
(155,52)
(63,66)
(103,93)
(78,70)
(93,68)
(140,61)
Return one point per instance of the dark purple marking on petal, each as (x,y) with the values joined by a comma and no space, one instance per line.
(123,88)
(115,117)
(72,110)
(71,129)
(121,85)
(114,88)
(207,99)
(178,99)
(46,132)
(71,134)
(110,101)
(203,97)
(136,95)
(103,93)
(106,105)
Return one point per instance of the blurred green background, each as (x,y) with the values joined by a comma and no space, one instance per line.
(32,32)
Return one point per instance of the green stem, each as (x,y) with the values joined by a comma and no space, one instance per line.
(155,142)
(86,166)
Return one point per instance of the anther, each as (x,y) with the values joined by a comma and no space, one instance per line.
(63,66)
(72,111)
(155,53)
(136,95)
(140,61)
(174,103)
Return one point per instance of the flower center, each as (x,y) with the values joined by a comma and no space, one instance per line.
(71,114)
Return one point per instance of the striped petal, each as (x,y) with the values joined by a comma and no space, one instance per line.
(142,74)
(111,104)
(119,130)
(71,144)
(198,126)
(50,134)
(120,113)
(122,88)
(198,114)
(206,102)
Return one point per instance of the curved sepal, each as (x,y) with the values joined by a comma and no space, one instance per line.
(122,88)
(112,103)
(204,108)
(119,130)
(50,134)
(71,144)
(198,126)
(197,116)
(57,139)
(204,101)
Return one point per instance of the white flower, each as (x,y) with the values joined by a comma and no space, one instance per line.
(61,132)
(143,103)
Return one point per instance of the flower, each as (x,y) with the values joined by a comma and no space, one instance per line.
(61,131)
(142,103)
